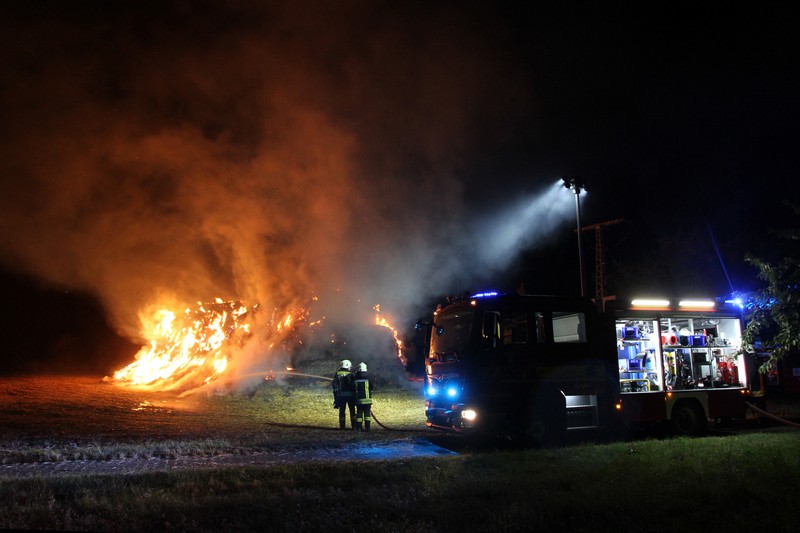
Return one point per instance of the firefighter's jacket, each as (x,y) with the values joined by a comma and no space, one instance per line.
(364,388)
(343,387)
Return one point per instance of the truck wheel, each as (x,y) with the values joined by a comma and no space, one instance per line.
(688,419)
(545,426)
(535,430)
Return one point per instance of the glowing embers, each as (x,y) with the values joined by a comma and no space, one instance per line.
(189,348)
(154,406)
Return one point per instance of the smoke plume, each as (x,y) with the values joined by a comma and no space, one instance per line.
(180,152)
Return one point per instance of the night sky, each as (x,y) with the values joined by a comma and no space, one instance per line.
(398,151)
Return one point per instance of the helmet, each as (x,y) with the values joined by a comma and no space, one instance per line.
(362,367)
(346,364)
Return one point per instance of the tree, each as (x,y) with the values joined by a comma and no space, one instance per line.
(773,313)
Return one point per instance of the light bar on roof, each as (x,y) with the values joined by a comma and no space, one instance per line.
(650,303)
(484,294)
(697,304)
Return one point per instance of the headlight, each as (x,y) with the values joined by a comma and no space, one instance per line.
(469,414)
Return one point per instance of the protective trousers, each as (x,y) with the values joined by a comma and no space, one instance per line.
(346,404)
(363,416)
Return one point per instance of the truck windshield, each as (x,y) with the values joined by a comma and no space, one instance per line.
(451,333)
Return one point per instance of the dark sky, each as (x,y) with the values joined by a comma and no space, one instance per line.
(181,151)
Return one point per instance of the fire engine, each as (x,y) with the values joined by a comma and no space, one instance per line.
(541,367)
(533,366)
(680,362)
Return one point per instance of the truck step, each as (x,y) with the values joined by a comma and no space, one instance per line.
(582,417)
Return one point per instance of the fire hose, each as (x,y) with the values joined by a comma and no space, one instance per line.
(372,413)
(771,416)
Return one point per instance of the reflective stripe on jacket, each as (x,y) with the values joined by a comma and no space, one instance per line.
(363,389)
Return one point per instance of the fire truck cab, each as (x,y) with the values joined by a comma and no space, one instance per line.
(680,362)
(532,366)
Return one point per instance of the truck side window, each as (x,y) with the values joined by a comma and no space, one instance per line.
(569,327)
(514,329)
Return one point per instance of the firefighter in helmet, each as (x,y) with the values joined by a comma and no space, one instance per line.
(363,398)
(344,393)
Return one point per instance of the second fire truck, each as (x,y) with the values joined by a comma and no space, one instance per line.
(680,362)
(543,366)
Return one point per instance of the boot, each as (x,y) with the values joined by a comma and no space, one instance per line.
(366,426)
(358,426)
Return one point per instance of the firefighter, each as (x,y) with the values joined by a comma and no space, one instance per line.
(363,398)
(344,394)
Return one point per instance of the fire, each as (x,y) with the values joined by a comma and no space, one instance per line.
(287,322)
(193,346)
(380,320)
(197,346)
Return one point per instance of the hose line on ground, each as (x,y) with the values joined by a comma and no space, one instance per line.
(326,378)
(771,416)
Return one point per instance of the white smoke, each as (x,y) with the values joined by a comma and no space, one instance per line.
(159,153)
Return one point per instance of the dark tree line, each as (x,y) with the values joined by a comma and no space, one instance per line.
(773,312)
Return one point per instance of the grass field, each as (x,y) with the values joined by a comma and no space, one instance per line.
(60,418)
(718,483)
(712,484)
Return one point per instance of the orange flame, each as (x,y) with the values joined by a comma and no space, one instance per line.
(197,346)
(190,347)
(380,320)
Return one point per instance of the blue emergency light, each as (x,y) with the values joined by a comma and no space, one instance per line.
(451,391)
(484,295)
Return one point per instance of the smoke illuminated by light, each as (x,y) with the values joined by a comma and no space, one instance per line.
(524,224)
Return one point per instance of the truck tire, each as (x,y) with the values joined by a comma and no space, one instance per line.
(545,421)
(535,430)
(688,419)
